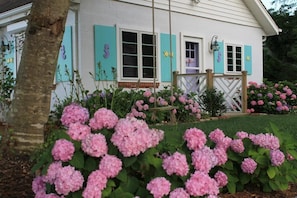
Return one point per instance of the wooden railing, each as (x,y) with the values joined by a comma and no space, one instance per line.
(234,87)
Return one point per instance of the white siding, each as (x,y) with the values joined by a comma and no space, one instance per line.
(232,11)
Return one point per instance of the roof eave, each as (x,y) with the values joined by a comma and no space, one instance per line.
(263,17)
(14,15)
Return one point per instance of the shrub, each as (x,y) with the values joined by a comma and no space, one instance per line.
(213,102)
(125,158)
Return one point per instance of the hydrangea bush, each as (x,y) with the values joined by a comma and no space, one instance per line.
(278,98)
(105,156)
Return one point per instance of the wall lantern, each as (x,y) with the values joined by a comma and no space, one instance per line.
(4,46)
(214,45)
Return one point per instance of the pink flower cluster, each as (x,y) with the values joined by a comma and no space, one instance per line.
(266,140)
(103,118)
(204,159)
(221,178)
(74,113)
(66,179)
(159,187)
(133,136)
(176,164)
(195,138)
(63,150)
(94,145)
(179,193)
(78,131)
(110,166)
(201,184)
(248,165)
(96,183)
(277,157)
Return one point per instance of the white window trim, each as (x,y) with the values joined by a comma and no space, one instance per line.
(120,57)
(234,59)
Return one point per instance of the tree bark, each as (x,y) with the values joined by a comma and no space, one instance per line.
(31,103)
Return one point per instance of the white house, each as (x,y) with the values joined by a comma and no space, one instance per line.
(112,39)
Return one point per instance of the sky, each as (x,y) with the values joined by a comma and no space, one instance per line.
(267,4)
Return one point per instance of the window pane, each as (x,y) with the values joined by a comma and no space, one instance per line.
(230,68)
(148,73)
(147,50)
(129,37)
(238,67)
(147,61)
(130,60)
(129,48)
(147,39)
(130,72)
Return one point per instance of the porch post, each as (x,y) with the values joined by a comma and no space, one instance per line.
(244,92)
(174,83)
(209,79)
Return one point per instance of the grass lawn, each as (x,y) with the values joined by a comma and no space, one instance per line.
(249,123)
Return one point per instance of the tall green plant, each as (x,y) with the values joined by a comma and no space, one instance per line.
(213,102)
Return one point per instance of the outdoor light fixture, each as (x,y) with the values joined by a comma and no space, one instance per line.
(4,46)
(196,1)
(214,45)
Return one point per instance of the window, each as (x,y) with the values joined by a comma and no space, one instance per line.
(137,55)
(234,58)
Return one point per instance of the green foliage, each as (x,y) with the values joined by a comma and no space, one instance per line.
(213,102)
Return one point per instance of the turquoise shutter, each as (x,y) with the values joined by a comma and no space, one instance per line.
(9,58)
(219,59)
(64,71)
(248,59)
(165,56)
(105,52)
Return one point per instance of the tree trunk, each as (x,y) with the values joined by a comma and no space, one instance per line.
(31,103)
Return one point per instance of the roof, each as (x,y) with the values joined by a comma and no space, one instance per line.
(256,7)
(6,5)
(263,17)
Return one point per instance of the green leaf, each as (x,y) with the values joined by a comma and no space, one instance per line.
(273,186)
(77,194)
(231,187)
(91,164)
(228,165)
(244,178)
(130,185)
(129,161)
(122,176)
(262,160)
(77,160)
(120,193)
(293,153)
(271,172)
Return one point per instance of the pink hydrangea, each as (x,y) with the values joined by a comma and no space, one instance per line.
(260,102)
(224,143)
(147,93)
(200,184)
(266,140)
(237,145)
(242,135)
(38,185)
(159,187)
(176,164)
(182,99)
(96,183)
(248,165)
(151,100)
(78,131)
(221,155)
(133,136)
(110,166)
(68,180)
(195,138)
(277,157)
(103,118)
(179,193)
(74,113)
(94,145)
(204,159)
(221,179)
(253,103)
(52,172)
(216,135)
(63,150)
